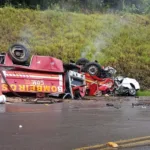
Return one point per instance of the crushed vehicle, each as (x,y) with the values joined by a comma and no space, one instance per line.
(43,76)
(100,80)
(126,86)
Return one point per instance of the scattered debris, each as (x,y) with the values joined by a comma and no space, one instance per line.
(106,95)
(144,107)
(73,80)
(116,105)
(110,105)
(47,101)
(143,104)
(2,108)
(20,126)
(16,99)
(2,99)
(50,78)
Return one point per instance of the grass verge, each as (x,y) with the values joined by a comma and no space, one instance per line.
(143,93)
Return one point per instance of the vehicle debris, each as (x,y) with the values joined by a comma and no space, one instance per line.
(46,100)
(143,104)
(20,126)
(117,106)
(46,76)
(144,107)
(110,105)
(2,108)
(2,99)
(103,79)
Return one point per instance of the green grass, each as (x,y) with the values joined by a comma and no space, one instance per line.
(118,40)
(144,93)
(59,34)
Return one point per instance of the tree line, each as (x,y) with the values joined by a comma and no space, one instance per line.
(135,6)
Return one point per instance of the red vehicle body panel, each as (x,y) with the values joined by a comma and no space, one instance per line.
(37,63)
(44,74)
(95,84)
(23,81)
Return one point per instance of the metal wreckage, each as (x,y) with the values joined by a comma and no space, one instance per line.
(46,76)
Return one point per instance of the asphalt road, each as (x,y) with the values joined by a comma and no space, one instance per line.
(70,125)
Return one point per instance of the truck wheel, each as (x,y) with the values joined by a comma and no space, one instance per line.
(93,68)
(18,53)
(82,61)
(77,94)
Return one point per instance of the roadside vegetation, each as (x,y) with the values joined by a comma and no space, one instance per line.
(143,93)
(119,40)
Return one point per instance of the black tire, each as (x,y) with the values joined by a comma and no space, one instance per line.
(2,58)
(77,95)
(93,68)
(71,67)
(18,53)
(82,61)
(132,92)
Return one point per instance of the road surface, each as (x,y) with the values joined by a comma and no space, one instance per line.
(69,125)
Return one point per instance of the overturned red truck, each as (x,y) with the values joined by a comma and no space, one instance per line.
(43,76)
(46,76)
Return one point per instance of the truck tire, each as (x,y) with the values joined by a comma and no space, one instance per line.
(93,68)
(18,53)
(82,61)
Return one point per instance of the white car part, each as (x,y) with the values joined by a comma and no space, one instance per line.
(130,83)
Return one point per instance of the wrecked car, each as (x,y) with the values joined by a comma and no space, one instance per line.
(100,80)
